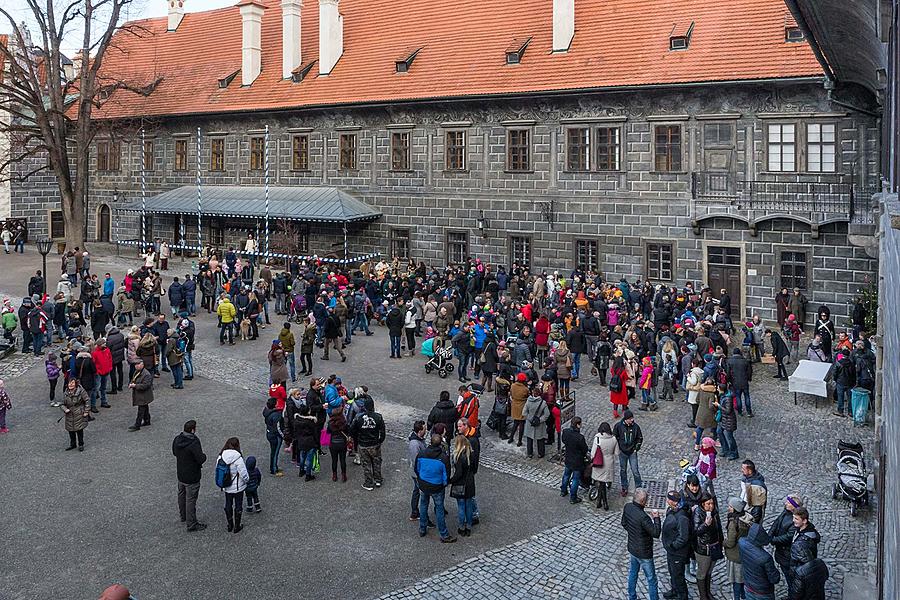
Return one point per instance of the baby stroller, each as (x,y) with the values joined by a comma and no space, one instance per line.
(441,362)
(851,483)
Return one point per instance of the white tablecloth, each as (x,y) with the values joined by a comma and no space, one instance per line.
(810,378)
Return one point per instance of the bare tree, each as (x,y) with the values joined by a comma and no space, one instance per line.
(49,111)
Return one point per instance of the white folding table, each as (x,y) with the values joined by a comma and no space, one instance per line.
(811,378)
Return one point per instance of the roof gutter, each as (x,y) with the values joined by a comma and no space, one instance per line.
(497,96)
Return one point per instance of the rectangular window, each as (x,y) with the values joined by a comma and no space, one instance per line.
(103,156)
(456,150)
(217,154)
(348,152)
(659,262)
(518,150)
(520,250)
(216,233)
(587,255)
(608,148)
(457,247)
(181,155)
(821,147)
(399,243)
(57,224)
(718,135)
(794,272)
(300,153)
(400,151)
(667,148)
(781,147)
(147,156)
(257,153)
(578,149)
(115,155)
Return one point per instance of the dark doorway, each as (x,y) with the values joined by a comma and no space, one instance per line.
(104,222)
(723,264)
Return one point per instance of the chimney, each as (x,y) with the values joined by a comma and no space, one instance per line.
(331,35)
(176,14)
(563,24)
(290,32)
(251,45)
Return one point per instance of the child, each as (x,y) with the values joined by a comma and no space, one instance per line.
(53,371)
(253,485)
(668,377)
(646,380)
(5,405)
(791,331)
(706,464)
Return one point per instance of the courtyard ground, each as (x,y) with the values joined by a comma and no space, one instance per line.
(74,522)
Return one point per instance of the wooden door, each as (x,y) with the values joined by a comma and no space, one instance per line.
(723,264)
(103,224)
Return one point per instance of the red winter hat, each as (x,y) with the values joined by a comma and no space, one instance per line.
(521,378)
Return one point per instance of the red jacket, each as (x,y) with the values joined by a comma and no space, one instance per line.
(102,360)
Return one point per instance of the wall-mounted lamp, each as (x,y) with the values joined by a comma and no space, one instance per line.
(481,222)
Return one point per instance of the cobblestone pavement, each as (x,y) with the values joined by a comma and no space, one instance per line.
(793,446)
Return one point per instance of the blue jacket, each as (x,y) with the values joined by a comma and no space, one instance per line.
(480,335)
(176,294)
(254,473)
(432,469)
(109,286)
(189,287)
(760,574)
(332,398)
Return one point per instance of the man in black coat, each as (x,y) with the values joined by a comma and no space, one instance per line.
(810,576)
(676,539)
(332,333)
(740,373)
(394,322)
(576,450)
(642,530)
(779,351)
(117,345)
(189,460)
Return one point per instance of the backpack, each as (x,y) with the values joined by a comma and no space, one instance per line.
(615,383)
(223,473)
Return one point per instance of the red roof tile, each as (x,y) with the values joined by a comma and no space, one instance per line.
(4,40)
(617,43)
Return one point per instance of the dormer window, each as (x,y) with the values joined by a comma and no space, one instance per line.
(680,41)
(224,81)
(403,65)
(516,51)
(300,73)
(793,34)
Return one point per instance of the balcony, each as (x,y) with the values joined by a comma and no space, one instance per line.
(816,203)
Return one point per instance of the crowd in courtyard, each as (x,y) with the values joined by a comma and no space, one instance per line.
(516,339)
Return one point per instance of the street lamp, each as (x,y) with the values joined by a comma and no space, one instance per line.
(44,248)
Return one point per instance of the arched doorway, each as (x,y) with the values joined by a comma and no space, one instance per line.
(104,223)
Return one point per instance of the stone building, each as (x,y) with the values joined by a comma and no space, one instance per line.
(697,144)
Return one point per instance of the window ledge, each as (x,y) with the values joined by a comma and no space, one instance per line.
(518,172)
(301,171)
(455,171)
(808,173)
(402,171)
(669,172)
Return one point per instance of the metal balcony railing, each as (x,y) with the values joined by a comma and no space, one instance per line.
(844,197)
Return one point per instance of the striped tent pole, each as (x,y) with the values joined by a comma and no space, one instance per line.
(267,193)
(199,202)
(143,195)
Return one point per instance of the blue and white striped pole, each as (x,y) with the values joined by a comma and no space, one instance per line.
(199,202)
(267,194)
(143,195)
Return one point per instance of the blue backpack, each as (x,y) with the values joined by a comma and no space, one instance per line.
(223,473)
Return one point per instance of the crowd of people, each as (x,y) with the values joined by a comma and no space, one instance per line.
(522,337)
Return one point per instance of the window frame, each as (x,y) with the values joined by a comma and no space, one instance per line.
(148,152)
(618,148)
(835,143)
(524,148)
(299,156)
(528,262)
(673,260)
(718,145)
(394,238)
(781,263)
(50,213)
(448,243)
(109,155)
(452,149)
(669,146)
(406,165)
(213,141)
(180,156)
(350,152)
(768,146)
(102,155)
(257,152)
(586,149)
(577,253)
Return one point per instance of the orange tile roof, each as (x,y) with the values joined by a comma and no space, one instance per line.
(618,43)
(4,40)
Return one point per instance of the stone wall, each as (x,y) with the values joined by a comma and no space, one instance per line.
(619,210)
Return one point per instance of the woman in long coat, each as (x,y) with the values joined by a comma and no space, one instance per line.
(489,359)
(535,406)
(146,351)
(278,370)
(75,408)
(605,475)
(619,398)
(706,410)
(563,359)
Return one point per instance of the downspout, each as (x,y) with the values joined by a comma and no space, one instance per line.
(830,77)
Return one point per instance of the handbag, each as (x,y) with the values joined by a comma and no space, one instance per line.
(457,490)
(325,438)
(597,461)
(715,551)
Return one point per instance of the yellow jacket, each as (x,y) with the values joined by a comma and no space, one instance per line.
(226,311)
